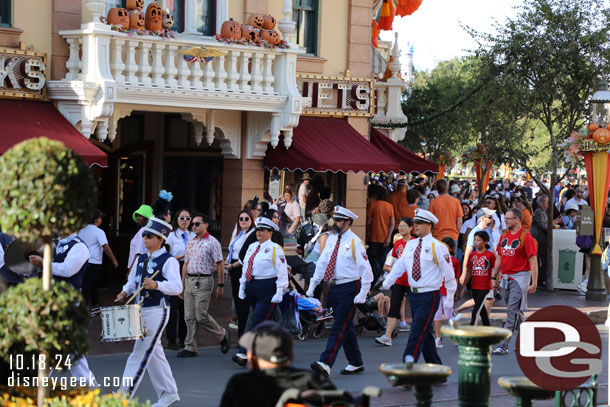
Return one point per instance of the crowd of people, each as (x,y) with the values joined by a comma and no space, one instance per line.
(428,243)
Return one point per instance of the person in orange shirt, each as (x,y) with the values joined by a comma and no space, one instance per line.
(448,210)
(526,209)
(412,198)
(380,225)
(398,199)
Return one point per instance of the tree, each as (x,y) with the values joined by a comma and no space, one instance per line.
(546,62)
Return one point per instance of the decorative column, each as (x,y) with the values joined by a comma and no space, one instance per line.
(287,26)
(97,9)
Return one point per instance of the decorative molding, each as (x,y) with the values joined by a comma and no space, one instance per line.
(310,64)
(258,134)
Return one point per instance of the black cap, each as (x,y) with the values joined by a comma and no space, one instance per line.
(268,341)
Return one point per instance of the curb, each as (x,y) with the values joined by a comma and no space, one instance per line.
(598,316)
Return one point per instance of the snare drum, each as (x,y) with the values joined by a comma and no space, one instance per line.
(121,323)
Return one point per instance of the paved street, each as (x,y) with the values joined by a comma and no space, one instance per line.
(201,380)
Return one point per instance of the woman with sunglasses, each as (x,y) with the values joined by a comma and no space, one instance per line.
(243,230)
(177,240)
(263,279)
(157,273)
(494,203)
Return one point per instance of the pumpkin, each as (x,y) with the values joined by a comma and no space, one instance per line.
(256,20)
(249,33)
(118,16)
(268,22)
(154,17)
(602,135)
(135,4)
(271,36)
(136,20)
(592,127)
(231,30)
(168,20)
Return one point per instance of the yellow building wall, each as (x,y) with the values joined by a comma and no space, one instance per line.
(236,10)
(34,18)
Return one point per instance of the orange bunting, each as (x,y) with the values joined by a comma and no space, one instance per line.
(407,7)
(386,15)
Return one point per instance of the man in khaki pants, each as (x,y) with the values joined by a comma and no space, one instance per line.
(203,255)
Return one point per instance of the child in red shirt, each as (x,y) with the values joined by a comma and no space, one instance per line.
(480,266)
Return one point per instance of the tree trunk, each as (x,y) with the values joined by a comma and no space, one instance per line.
(549,241)
(43,391)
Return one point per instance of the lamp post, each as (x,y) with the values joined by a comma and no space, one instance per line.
(596,160)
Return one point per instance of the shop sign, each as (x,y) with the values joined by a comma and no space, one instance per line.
(336,96)
(22,73)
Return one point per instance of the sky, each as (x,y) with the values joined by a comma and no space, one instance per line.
(435,29)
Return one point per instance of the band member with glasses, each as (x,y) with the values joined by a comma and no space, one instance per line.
(147,354)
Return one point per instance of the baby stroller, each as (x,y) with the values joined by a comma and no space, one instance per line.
(371,320)
(307,324)
(323,398)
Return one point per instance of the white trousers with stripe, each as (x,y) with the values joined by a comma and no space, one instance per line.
(148,355)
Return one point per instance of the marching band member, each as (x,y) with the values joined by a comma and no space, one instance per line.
(148,352)
(344,264)
(264,278)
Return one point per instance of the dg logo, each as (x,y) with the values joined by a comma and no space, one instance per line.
(559,348)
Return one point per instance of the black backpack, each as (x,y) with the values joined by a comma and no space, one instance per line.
(306,232)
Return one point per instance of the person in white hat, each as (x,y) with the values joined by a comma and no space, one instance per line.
(157,272)
(264,278)
(426,261)
(345,265)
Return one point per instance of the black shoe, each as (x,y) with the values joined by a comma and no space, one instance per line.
(355,371)
(172,346)
(239,360)
(316,367)
(225,344)
(186,354)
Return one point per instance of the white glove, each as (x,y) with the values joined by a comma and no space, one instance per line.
(360,298)
(309,292)
(277,298)
(242,293)
(386,284)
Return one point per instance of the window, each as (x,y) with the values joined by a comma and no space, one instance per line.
(5,13)
(305,15)
(206,13)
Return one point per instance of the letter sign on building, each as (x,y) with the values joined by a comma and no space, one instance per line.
(336,96)
(22,73)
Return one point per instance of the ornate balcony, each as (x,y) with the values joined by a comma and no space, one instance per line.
(107,68)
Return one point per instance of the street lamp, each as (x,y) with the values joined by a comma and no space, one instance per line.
(600,102)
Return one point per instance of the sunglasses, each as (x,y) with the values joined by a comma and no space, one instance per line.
(147,235)
(244,219)
(185,218)
(197,224)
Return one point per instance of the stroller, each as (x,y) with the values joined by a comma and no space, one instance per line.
(371,320)
(322,398)
(307,324)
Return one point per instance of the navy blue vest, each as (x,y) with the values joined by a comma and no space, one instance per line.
(151,298)
(61,252)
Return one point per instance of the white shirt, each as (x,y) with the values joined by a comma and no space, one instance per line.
(171,271)
(136,246)
(499,226)
(94,238)
(432,274)
(352,261)
(469,224)
(292,210)
(237,242)
(302,194)
(577,203)
(74,261)
(175,240)
(265,266)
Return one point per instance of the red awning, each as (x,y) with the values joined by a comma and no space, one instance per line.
(326,144)
(409,162)
(22,120)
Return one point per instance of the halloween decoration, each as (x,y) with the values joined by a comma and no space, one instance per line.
(168,19)
(118,16)
(271,36)
(249,33)
(269,22)
(135,4)
(230,30)
(256,20)
(136,20)
(154,17)
(602,135)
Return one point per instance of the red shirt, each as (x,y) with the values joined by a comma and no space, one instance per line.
(399,246)
(457,269)
(481,266)
(515,257)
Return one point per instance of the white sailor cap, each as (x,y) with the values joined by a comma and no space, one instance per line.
(264,223)
(344,213)
(425,216)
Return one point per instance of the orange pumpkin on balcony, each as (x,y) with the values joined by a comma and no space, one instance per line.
(154,17)
(118,16)
(135,4)
(271,36)
(602,135)
(249,33)
(230,30)
(269,22)
(136,20)
(256,20)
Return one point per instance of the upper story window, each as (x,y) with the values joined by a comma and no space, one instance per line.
(5,13)
(206,14)
(305,15)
